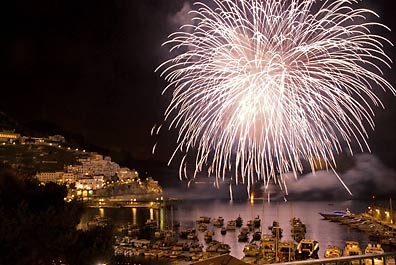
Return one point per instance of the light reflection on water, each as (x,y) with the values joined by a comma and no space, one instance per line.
(187,212)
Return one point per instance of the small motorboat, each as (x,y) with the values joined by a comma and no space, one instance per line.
(372,249)
(307,249)
(231,225)
(223,248)
(352,248)
(257,222)
(332,252)
(243,237)
(335,215)
(208,236)
(218,222)
(251,250)
(239,221)
(257,236)
(286,251)
(204,219)
(202,227)
(223,231)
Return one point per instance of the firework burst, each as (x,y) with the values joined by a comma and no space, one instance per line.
(258,87)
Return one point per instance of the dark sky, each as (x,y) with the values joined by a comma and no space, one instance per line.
(88,66)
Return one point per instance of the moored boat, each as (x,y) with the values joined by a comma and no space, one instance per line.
(213,246)
(335,215)
(286,251)
(298,229)
(208,236)
(192,236)
(202,227)
(276,230)
(251,253)
(243,237)
(231,225)
(267,244)
(204,219)
(332,252)
(251,250)
(218,222)
(374,249)
(352,248)
(224,248)
(257,236)
(184,232)
(257,222)
(239,221)
(307,249)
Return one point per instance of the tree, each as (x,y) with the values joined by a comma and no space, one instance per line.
(37,226)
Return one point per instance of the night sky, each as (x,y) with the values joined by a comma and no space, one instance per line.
(88,67)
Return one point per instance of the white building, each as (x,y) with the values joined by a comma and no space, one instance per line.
(9,136)
(68,178)
(125,173)
(90,183)
(95,165)
(56,139)
(50,176)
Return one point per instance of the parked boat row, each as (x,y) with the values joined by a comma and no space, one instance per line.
(377,232)
(352,248)
(182,249)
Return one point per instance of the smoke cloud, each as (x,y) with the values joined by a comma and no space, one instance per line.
(369,176)
(182,17)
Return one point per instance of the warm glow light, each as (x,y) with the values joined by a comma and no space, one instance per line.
(258,87)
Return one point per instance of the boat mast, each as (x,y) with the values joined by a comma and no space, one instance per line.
(390,210)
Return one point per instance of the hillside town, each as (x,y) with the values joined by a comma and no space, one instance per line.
(90,175)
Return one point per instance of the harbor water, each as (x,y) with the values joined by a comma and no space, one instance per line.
(186,213)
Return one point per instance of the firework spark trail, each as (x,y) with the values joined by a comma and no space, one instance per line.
(258,87)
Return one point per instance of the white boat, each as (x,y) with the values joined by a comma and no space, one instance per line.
(352,248)
(208,236)
(224,248)
(202,227)
(335,215)
(231,225)
(219,222)
(333,252)
(251,252)
(204,219)
(374,249)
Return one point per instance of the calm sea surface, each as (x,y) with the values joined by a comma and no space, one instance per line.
(187,212)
